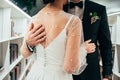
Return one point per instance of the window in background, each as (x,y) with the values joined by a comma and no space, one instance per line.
(31,7)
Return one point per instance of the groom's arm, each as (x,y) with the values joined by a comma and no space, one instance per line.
(34,36)
(105,44)
(89,46)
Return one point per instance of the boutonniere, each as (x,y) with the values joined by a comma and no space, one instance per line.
(94,17)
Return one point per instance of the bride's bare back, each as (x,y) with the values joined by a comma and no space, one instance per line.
(53,21)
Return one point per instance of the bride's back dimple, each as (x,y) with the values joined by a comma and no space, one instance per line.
(55,26)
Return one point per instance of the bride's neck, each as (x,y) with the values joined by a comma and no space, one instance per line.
(57,5)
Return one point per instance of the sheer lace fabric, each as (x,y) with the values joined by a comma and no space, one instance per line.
(55,26)
(62,45)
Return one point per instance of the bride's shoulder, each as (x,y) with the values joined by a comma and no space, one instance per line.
(74,17)
(38,14)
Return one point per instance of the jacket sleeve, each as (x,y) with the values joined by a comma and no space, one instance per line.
(105,44)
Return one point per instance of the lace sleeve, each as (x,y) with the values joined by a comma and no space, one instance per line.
(73,58)
(72,45)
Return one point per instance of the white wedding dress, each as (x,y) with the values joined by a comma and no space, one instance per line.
(49,62)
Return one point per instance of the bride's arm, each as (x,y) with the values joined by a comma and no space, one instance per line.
(71,62)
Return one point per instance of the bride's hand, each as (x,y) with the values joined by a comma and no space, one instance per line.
(90,47)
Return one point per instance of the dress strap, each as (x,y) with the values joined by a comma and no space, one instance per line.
(69,21)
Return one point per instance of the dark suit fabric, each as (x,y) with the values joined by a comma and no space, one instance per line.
(100,35)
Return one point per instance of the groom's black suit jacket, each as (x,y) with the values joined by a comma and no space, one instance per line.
(100,34)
